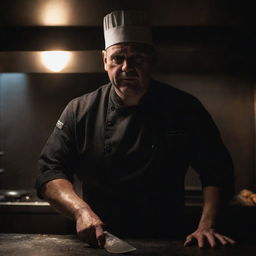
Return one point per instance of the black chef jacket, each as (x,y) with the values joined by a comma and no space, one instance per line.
(132,160)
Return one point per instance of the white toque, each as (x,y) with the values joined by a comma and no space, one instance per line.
(126,26)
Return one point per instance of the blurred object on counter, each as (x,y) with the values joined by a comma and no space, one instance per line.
(18,195)
(247,197)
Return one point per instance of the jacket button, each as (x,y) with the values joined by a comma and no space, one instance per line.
(107,149)
(109,123)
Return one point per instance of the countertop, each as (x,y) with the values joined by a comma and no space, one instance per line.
(67,245)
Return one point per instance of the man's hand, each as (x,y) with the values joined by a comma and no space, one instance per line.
(215,198)
(208,236)
(61,195)
(89,228)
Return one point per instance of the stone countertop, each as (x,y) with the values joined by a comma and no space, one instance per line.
(67,245)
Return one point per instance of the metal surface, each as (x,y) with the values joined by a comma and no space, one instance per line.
(17,195)
(115,245)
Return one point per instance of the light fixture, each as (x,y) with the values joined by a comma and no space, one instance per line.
(55,60)
(55,13)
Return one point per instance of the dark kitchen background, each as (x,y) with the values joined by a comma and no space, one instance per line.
(205,47)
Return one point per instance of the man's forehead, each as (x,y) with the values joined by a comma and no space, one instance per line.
(127,48)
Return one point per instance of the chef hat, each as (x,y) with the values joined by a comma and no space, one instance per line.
(126,26)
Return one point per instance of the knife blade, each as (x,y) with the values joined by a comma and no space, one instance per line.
(114,244)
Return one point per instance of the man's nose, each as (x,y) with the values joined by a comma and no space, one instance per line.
(127,65)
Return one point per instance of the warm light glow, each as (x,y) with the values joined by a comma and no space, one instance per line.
(55,60)
(55,13)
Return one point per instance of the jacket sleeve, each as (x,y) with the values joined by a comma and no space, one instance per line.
(59,158)
(209,157)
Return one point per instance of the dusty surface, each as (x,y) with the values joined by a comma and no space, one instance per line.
(67,245)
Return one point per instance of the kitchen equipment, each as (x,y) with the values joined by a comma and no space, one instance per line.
(13,195)
(115,245)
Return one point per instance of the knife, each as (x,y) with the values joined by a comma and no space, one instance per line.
(115,245)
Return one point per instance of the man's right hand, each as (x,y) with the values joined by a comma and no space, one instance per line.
(89,227)
(61,195)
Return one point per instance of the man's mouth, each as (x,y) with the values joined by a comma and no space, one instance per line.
(128,78)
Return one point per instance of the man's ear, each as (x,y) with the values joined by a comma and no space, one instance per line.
(104,58)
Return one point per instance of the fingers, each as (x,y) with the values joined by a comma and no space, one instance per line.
(90,228)
(192,238)
(210,238)
(221,239)
(93,235)
(100,236)
(200,241)
(189,240)
(231,241)
(84,236)
(224,240)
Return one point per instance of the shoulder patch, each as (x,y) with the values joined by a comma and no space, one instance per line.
(59,124)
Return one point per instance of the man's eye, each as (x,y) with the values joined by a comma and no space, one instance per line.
(138,59)
(117,59)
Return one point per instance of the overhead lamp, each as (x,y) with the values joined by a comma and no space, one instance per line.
(55,13)
(55,60)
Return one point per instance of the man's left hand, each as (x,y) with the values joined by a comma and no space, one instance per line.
(208,236)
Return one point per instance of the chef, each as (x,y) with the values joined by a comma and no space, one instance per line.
(130,142)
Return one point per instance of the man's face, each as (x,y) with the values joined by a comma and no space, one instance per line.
(129,67)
